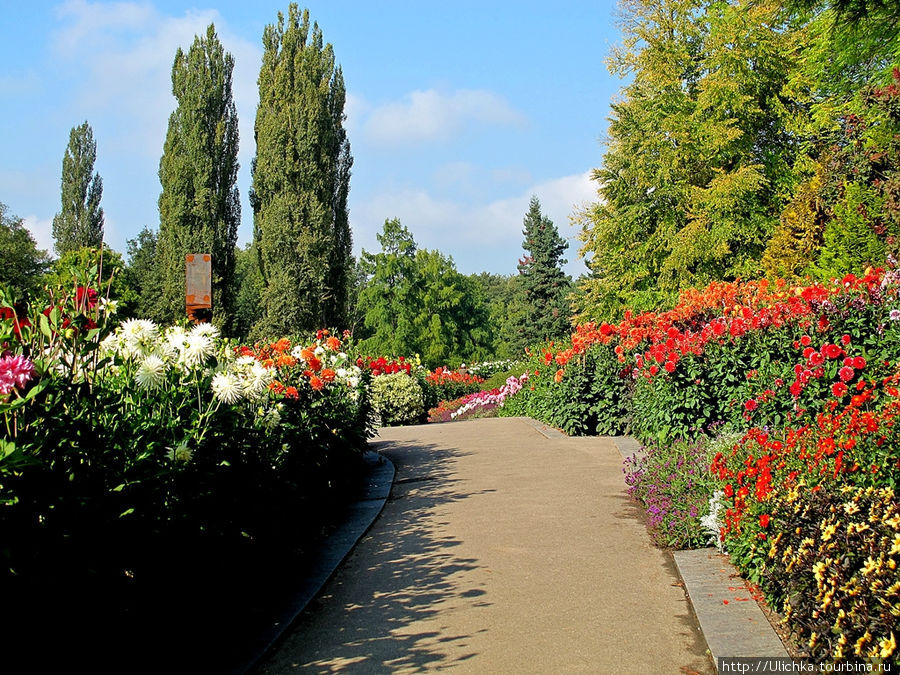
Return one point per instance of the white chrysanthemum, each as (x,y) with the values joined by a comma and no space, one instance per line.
(227,387)
(181,453)
(197,348)
(296,352)
(207,329)
(319,351)
(151,373)
(108,306)
(256,380)
(109,345)
(245,362)
(142,330)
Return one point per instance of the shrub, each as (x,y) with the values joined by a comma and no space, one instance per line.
(397,399)
(673,483)
(592,395)
(832,567)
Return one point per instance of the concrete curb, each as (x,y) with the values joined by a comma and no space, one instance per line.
(731,621)
(361,515)
(541,428)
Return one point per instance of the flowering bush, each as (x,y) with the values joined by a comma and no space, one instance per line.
(443,384)
(673,482)
(397,399)
(831,565)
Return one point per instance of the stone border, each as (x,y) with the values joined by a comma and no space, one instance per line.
(541,428)
(731,621)
(360,516)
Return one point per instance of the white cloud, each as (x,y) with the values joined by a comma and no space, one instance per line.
(486,236)
(430,115)
(127,50)
(41,230)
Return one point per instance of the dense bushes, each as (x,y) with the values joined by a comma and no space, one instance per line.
(594,397)
(397,399)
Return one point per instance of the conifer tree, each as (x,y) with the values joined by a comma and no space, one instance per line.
(543,283)
(80,222)
(301,179)
(199,206)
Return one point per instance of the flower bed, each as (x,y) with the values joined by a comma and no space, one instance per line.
(129,448)
(791,395)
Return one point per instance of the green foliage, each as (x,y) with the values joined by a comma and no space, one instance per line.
(397,399)
(416,302)
(107,270)
(199,206)
(22,263)
(249,282)
(592,397)
(543,285)
(143,276)
(506,311)
(80,222)
(301,176)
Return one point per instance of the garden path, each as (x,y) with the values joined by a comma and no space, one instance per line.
(500,550)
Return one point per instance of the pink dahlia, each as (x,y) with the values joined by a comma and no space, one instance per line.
(15,371)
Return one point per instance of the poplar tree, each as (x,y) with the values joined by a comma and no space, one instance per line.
(301,179)
(544,285)
(80,222)
(199,206)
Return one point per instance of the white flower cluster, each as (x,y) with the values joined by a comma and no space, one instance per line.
(244,378)
(712,521)
(140,341)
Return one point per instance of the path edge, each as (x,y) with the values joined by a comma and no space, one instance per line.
(361,514)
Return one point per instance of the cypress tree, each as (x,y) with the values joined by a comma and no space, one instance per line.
(543,283)
(301,179)
(80,222)
(199,207)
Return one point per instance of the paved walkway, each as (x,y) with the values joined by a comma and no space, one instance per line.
(500,550)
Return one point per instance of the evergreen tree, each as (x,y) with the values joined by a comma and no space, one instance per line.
(248,281)
(80,222)
(543,283)
(199,206)
(301,178)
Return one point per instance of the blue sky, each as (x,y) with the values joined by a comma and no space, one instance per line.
(457,112)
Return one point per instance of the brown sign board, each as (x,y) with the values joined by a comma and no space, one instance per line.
(198,285)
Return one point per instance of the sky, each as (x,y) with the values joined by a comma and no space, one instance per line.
(457,113)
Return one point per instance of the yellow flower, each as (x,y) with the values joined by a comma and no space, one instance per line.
(858,647)
(818,570)
(869,566)
(828,531)
(812,639)
(850,508)
(895,548)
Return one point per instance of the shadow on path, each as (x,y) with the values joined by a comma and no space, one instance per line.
(403,575)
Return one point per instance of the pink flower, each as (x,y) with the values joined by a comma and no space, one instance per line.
(15,371)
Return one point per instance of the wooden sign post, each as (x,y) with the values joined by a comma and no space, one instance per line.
(198,287)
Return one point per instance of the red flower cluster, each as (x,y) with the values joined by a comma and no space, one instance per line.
(721,312)
(442,375)
(381,366)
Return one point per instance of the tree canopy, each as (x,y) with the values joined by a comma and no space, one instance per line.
(199,206)
(301,180)
(79,223)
